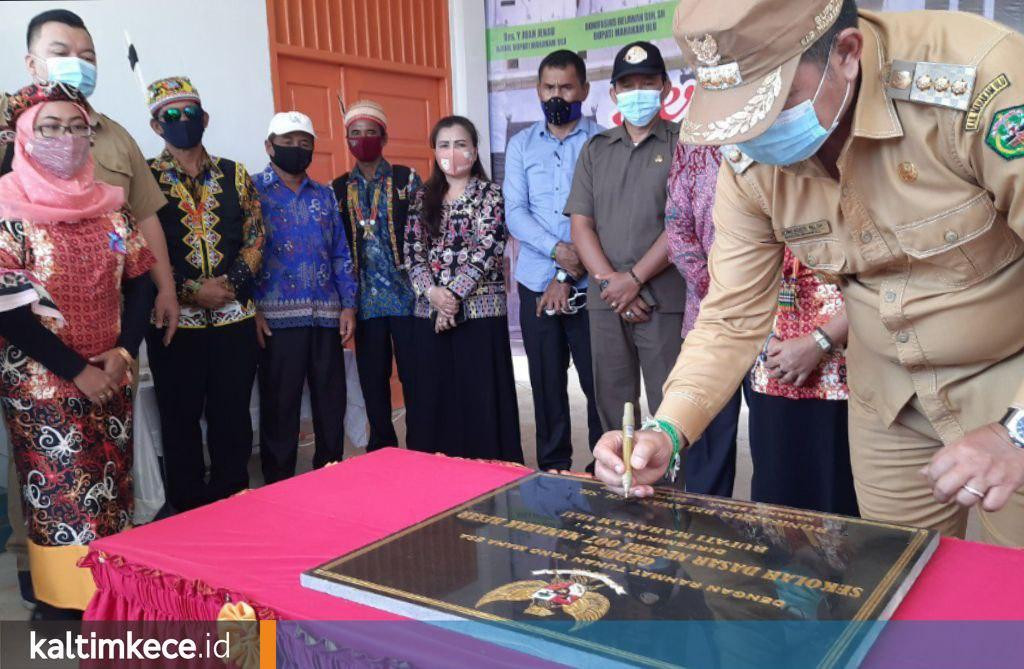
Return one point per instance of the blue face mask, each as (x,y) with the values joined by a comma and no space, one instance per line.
(639,107)
(71,71)
(796,134)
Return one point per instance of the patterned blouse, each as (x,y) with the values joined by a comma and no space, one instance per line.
(468,256)
(805,303)
(71,273)
(689,227)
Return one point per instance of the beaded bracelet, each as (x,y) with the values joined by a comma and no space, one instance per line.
(667,428)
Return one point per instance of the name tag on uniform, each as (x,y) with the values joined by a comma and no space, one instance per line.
(796,232)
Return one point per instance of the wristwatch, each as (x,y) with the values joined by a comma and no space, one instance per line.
(561,276)
(1013,421)
(825,342)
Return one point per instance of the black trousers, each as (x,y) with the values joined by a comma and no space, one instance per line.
(208,371)
(377,339)
(549,342)
(801,453)
(711,461)
(293,357)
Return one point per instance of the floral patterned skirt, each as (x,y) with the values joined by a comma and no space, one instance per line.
(74,464)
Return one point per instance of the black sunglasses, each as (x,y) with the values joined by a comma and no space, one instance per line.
(173,115)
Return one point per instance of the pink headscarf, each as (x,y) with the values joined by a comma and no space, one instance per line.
(31,193)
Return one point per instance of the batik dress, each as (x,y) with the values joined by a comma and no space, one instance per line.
(73,457)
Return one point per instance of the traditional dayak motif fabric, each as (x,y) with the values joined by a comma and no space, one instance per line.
(77,268)
(171,89)
(214,227)
(384,286)
(307,275)
(73,457)
(467,257)
(689,227)
(18,103)
(816,303)
(74,462)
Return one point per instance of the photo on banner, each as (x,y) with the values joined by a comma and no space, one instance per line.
(521,32)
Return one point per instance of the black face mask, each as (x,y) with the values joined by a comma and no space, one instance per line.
(183,134)
(559,112)
(292,159)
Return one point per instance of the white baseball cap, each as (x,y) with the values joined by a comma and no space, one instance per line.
(290,121)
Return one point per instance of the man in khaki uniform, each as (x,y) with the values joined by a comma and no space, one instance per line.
(59,37)
(617,219)
(886,148)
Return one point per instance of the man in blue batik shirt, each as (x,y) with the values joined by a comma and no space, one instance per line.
(539,164)
(374,201)
(306,301)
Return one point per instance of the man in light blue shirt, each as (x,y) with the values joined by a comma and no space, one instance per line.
(539,164)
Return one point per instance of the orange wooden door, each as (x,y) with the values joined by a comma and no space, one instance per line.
(393,51)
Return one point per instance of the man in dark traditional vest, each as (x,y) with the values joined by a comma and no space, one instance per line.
(214,230)
(374,200)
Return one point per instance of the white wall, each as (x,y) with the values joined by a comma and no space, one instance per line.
(222,45)
(468,30)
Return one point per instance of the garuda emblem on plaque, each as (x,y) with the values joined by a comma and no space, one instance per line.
(571,590)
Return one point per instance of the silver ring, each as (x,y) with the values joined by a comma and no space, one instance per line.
(615,305)
(976,493)
(629,315)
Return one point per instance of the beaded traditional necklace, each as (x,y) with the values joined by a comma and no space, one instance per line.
(368,224)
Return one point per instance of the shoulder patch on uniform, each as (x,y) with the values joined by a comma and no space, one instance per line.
(982,101)
(1006,134)
(937,84)
(736,159)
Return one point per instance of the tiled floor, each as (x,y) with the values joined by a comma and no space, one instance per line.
(10,601)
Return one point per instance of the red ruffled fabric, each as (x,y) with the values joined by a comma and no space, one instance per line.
(254,547)
(126,591)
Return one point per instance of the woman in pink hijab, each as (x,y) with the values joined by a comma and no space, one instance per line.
(69,255)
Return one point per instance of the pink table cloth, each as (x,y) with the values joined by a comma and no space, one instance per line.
(254,546)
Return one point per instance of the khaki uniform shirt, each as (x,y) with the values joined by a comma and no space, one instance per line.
(119,162)
(624,188)
(922,230)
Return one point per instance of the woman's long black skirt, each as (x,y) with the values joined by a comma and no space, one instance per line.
(466,402)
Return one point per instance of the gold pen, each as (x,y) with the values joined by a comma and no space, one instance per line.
(628,426)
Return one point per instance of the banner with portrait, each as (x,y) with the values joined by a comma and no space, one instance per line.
(521,32)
